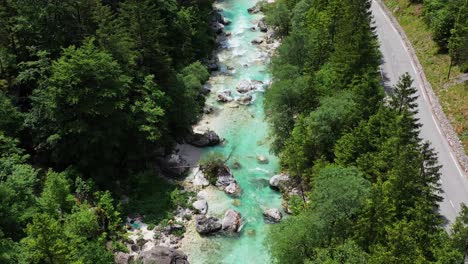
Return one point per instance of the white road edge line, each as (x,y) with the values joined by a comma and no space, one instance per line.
(451,204)
(437,125)
(456,165)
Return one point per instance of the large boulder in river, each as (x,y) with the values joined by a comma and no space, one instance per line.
(232,221)
(245,86)
(200,206)
(174,165)
(225,177)
(207,225)
(257,41)
(245,99)
(262,25)
(279,181)
(272,215)
(224,97)
(162,255)
(206,139)
(233,188)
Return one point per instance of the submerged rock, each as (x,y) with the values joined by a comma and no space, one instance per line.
(200,206)
(232,221)
(162,255)
(174,165)
(262,159)
(206,139)
(207,225)
(279,181)
(272,215)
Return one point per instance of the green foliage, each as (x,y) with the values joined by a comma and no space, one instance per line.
(347,253)
(155,198)
(338,197)
(377,202)
(211,165)
(448,21)
(90,93)
(56,196)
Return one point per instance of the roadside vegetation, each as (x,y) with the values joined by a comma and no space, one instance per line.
(90,93)
(438,31)
(370,183)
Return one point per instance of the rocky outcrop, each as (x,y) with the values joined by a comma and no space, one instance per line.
(200,206)
(257,41)
(208,109)
(225,177)
(206,139)
(224,97)
(245,86)
(254,9)
(233,188)
(207,225)
(162,255)
(174,165)
(245,99)
(279,181)
(122,258)
(212,64)
(217,27)
(232,221)
(272,215)
(262,25)
(270,36)
(199,179)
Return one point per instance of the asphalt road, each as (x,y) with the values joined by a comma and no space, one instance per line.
(396,61)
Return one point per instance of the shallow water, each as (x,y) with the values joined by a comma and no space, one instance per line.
(245,131)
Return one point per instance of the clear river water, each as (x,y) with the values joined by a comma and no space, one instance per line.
(245,131)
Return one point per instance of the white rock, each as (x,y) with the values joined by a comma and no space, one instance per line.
(272,215)
(279,180)
(200,206)
(231,221)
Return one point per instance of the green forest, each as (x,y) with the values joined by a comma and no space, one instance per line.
(448,21)
(93,92)
(90,92)
(369,186)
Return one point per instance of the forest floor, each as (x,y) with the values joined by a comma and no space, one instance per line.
(453,95)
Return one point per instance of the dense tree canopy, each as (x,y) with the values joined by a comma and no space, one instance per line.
(371,185)
(90,92)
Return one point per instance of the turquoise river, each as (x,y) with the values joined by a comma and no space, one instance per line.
(245,131)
